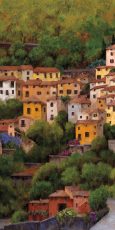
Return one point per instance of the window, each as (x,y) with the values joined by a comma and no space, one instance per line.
(98,77)
(44,110)
(28,78)
(79,137)
(72,106)
(56,75)
(108,114)
(23,123)
(38,93)
(61,207)
(51,104)
(72,113)
(7,92)
(78,128)
(12,73)
(111,60)
(99,101)
(28,72)
(68,91)
(6,74)
(111,53)
(27,94)
(54,93)
(48,93)
(1,83)
(28,110)
(75,91)
(94,96)
(80,116)
(61,91)
(94,133)
(113,108)
(87,117)
(52,117)
(75,85)
(36,109)
(1,91)
(19,93)
(45,75)
(95,115)
(86,134)
(50,75)
(12,91)
(12,84)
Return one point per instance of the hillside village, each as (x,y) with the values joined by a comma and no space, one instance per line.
(44,92)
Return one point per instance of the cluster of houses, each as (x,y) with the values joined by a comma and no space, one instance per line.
(44,92)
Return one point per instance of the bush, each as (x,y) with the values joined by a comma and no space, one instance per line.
(98,198)
(99,143)
(66,215)
(19,216)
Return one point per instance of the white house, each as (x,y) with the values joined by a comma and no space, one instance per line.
(110,56)
(52,109)
(7,88)
(76,108)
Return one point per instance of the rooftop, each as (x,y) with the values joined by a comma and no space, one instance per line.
(46,70)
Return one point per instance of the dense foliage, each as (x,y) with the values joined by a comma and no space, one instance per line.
(10,109)
(69,33)
(98,198)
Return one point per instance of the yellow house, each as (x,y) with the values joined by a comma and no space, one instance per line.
(34,109)
(46,74)
(87,130)
(110,113)
(102,71)
(70,87)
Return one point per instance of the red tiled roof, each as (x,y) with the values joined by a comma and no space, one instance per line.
(109,88)
(104,67)
(112,47)
(59,193)
(8,121)
(99,80)
(85,122)
(80,100)
(15,68)
(99,87)
(38,82)
(46,70)
(33,99)
(69,80)
(45,201)
(111,74)
(82,193)
(3,128)
(8,78)
(113,79)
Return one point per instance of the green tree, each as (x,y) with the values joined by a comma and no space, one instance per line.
(98,199)
(70,176)
(99,143)
(41,190)
(19,216)
(62,119)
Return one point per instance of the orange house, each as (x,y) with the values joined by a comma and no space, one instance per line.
(41,90)
(70,197)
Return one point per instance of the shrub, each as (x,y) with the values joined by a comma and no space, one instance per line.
(19,216)
(98,198)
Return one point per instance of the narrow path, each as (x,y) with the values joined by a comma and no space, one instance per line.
(108,222)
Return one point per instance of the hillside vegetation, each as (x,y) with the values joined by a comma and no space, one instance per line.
(69,32)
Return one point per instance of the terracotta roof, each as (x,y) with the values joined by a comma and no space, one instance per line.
(44,201)
(59,193)
(33,99)
(69,80)
(85,122)
(46,70)
(109,88)
(104,67)
(80,100)
(15,68)
(99,80)
(113,79)
(27,172)
(110,95)
(8,121)
(3,128)
(98,87)
(112,47)
(38,82)
(82,193)
(8,78)
(111,74)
